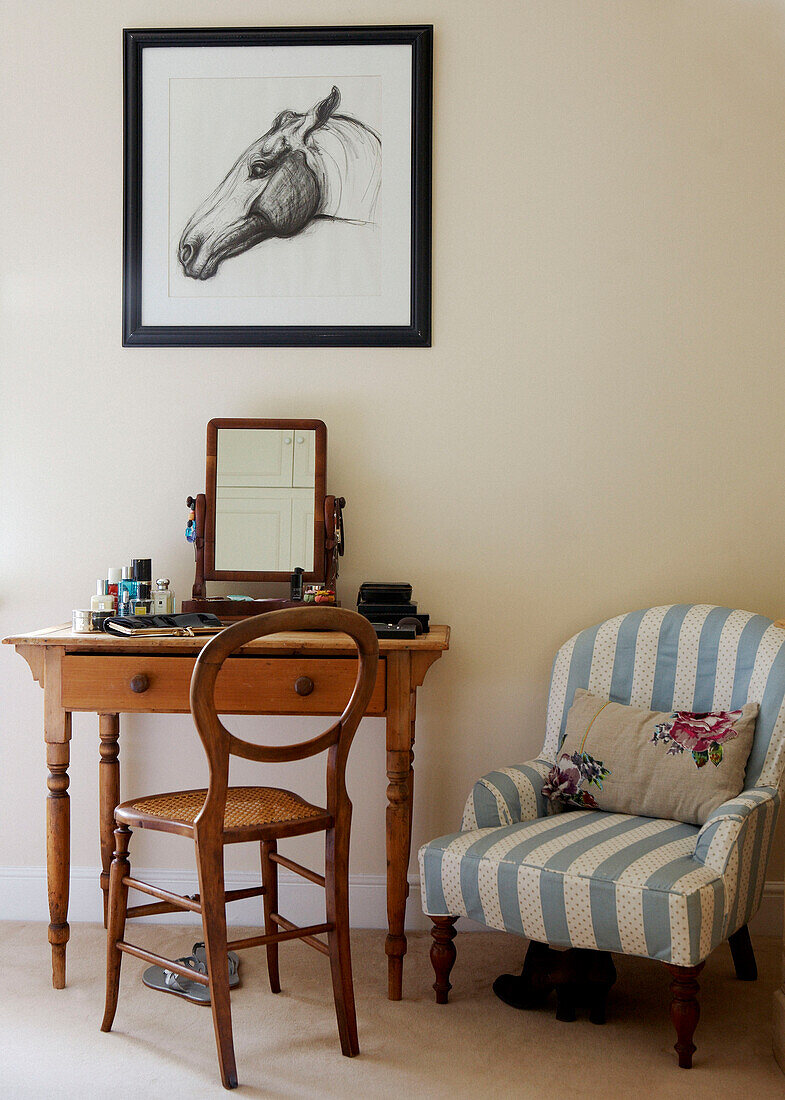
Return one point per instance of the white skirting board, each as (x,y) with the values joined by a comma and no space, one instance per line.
(23,897)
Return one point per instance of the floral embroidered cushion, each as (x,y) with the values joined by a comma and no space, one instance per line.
(678,765)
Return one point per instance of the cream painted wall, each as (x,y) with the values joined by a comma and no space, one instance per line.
(598,426)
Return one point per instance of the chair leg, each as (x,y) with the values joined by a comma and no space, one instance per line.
(685,1010)
(118,906)
(442,955)
(337,899)
(210,862)
(743,955)
(270,898)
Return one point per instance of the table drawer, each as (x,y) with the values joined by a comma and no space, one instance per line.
(254,685)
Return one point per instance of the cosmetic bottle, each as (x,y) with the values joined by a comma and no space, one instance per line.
(163,598)
(102,600)
(114,576)
(142,569)
(126,591)
(142,573)
(296,585)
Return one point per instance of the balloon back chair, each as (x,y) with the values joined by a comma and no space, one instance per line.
(614,882)
(221,815)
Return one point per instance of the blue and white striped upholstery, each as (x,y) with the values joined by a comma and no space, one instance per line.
(634,885)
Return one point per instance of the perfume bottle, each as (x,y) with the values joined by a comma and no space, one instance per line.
(142,573)
(163,598)
(102,600)
(126,591)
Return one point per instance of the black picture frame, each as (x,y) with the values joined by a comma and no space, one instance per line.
(415,334)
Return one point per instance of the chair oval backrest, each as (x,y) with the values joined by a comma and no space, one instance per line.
(220,744)
(680,657)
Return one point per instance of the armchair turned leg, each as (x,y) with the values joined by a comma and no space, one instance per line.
(685,1010)
(442,955)
(743,955)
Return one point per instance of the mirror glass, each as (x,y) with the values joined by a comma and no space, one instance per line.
(265,499)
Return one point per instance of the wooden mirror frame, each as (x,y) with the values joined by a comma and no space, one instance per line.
(209,572)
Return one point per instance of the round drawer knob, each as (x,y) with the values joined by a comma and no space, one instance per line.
(303,685)
(139,683)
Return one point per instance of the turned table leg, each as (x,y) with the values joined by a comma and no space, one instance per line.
(685,1010)
(57,735)
(109,794)
(399,811)
(58,843)
(411,774)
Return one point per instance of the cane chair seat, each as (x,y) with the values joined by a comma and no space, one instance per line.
(250,812)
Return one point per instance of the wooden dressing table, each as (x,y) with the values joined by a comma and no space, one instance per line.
(282,674)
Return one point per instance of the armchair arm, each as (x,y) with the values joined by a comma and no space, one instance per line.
(728,827)
(735,841)
(507,796)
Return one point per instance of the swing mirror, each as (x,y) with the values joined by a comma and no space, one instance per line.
(264,500)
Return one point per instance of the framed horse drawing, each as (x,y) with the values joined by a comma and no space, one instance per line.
(277,187)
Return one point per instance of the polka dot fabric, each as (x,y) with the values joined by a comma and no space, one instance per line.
(531,877)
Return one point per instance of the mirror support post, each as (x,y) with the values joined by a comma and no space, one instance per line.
(199,516)
(333,540)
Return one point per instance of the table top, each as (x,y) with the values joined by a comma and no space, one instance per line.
(311,642)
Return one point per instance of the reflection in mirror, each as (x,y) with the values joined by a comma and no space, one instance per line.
(264,499)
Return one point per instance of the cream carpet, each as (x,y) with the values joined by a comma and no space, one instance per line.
(287,1045)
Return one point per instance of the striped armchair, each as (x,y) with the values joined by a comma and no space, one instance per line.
(616,882)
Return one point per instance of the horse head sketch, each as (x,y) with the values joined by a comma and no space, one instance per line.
(311,165)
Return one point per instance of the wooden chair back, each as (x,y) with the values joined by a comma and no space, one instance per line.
(220,744)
